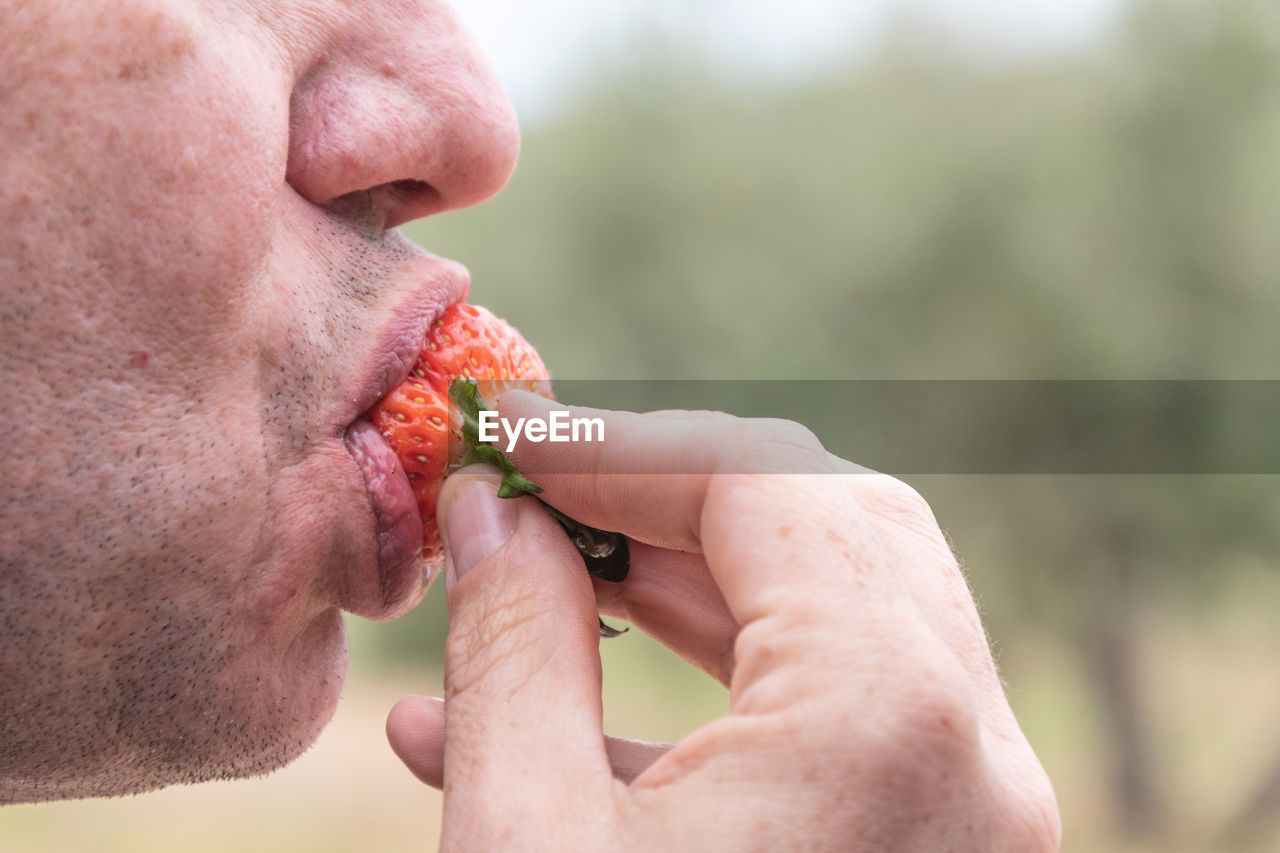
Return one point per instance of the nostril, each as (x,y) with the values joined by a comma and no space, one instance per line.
(408,199)
(410,187)
(385,206)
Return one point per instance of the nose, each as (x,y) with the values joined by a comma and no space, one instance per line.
(401,108)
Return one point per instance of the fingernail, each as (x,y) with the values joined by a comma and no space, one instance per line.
(478,522)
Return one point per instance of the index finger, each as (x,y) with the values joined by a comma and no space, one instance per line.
(761,499)
(649,476)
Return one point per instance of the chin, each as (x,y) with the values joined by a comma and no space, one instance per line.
(288,701)
(270,709)
(220,710)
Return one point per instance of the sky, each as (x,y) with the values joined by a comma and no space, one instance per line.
(543,50)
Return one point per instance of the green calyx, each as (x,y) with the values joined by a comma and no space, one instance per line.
(466,396)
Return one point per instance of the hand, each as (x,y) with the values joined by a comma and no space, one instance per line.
(865,710)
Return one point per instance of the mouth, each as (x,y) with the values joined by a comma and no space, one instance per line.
(392,578)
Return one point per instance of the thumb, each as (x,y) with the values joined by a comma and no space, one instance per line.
(522,665)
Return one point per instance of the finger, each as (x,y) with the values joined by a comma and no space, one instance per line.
(415,730)
(672,597)
(792,531)
(800,544)
(649,476)
(688,414)
(522,668)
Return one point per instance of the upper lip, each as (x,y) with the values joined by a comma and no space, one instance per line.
(434,284)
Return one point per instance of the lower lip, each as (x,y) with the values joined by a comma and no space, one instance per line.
(399,527)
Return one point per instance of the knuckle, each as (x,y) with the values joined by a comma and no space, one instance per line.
(774,446)
(897,502)
(929,728)
(1026,809)
(912,533)
(1022,818)
(939,716)
(893,496)
(1041,825)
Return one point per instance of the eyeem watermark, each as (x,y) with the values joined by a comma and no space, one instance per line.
(559,427)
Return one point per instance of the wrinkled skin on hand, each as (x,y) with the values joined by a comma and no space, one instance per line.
(865,709)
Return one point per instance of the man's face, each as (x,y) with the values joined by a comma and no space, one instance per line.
(200,296)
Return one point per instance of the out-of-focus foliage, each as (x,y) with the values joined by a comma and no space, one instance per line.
(925,214)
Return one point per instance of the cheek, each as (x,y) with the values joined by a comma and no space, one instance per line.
(137,453)
(263,551)
(203,208)
(150,554)
(162,170)
(186,516)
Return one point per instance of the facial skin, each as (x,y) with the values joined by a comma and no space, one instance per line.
(201,294)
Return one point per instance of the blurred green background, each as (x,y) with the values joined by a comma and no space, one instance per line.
(926,208)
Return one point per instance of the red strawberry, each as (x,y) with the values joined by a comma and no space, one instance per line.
(472,358)
(414,418)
